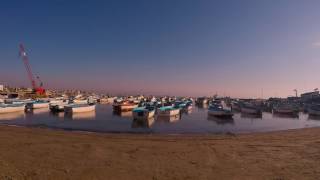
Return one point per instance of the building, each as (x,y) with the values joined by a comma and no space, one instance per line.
(1,87)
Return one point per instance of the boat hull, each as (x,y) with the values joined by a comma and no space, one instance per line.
(5,110)
(79,109)
(37,105)
(220,113)
(250,110)
(143,115)
(313,112)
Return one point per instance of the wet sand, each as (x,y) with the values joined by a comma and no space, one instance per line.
(37,153)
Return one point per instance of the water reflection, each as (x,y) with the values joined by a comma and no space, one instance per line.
(57,114)
(202,106)
(123,114)
(81,116)
(187,111)
(293,116)
(142,123)
(312,117)
(12,116)
(37,111)
(169,119)
(251,116)
(221,120)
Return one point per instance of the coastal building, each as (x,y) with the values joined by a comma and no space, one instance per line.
(1,87)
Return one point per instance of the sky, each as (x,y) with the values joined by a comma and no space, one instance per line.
(238,48)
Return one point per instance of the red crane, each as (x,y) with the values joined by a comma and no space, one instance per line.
(23,54)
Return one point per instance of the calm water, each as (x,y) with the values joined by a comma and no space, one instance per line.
(196,121)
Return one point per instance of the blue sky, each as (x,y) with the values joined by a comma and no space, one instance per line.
(178,47)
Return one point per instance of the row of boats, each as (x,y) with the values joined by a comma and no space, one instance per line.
(145,108)
(148,109)
(225,108)
(54,105)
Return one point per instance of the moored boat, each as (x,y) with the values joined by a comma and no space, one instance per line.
(37,105)
(79,108)
(142,113)
(285,109)
(314,110)
(11,108)
(249,108)
(218,111)
(168,111)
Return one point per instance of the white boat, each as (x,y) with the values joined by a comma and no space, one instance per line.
(37,105)
(168,111)
(79,108)
(143,113)
(314,110)
(10,108)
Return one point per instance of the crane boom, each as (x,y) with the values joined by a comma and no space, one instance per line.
(25,60)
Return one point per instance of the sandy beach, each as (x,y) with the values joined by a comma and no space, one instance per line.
(37,153)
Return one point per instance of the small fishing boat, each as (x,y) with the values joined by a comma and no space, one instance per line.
(37,105)
(10,108)
(168,111)
(218,111)
(142,113)
(250,108)
(79,108)
(285,108)
(124,106)
(314,110)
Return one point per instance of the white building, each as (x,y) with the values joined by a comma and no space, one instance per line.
(1,87)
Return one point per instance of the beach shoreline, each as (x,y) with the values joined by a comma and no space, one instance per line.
(41,153)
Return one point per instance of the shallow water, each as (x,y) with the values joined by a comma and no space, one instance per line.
(196,121)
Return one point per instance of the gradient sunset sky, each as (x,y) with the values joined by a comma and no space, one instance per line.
(239,48)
